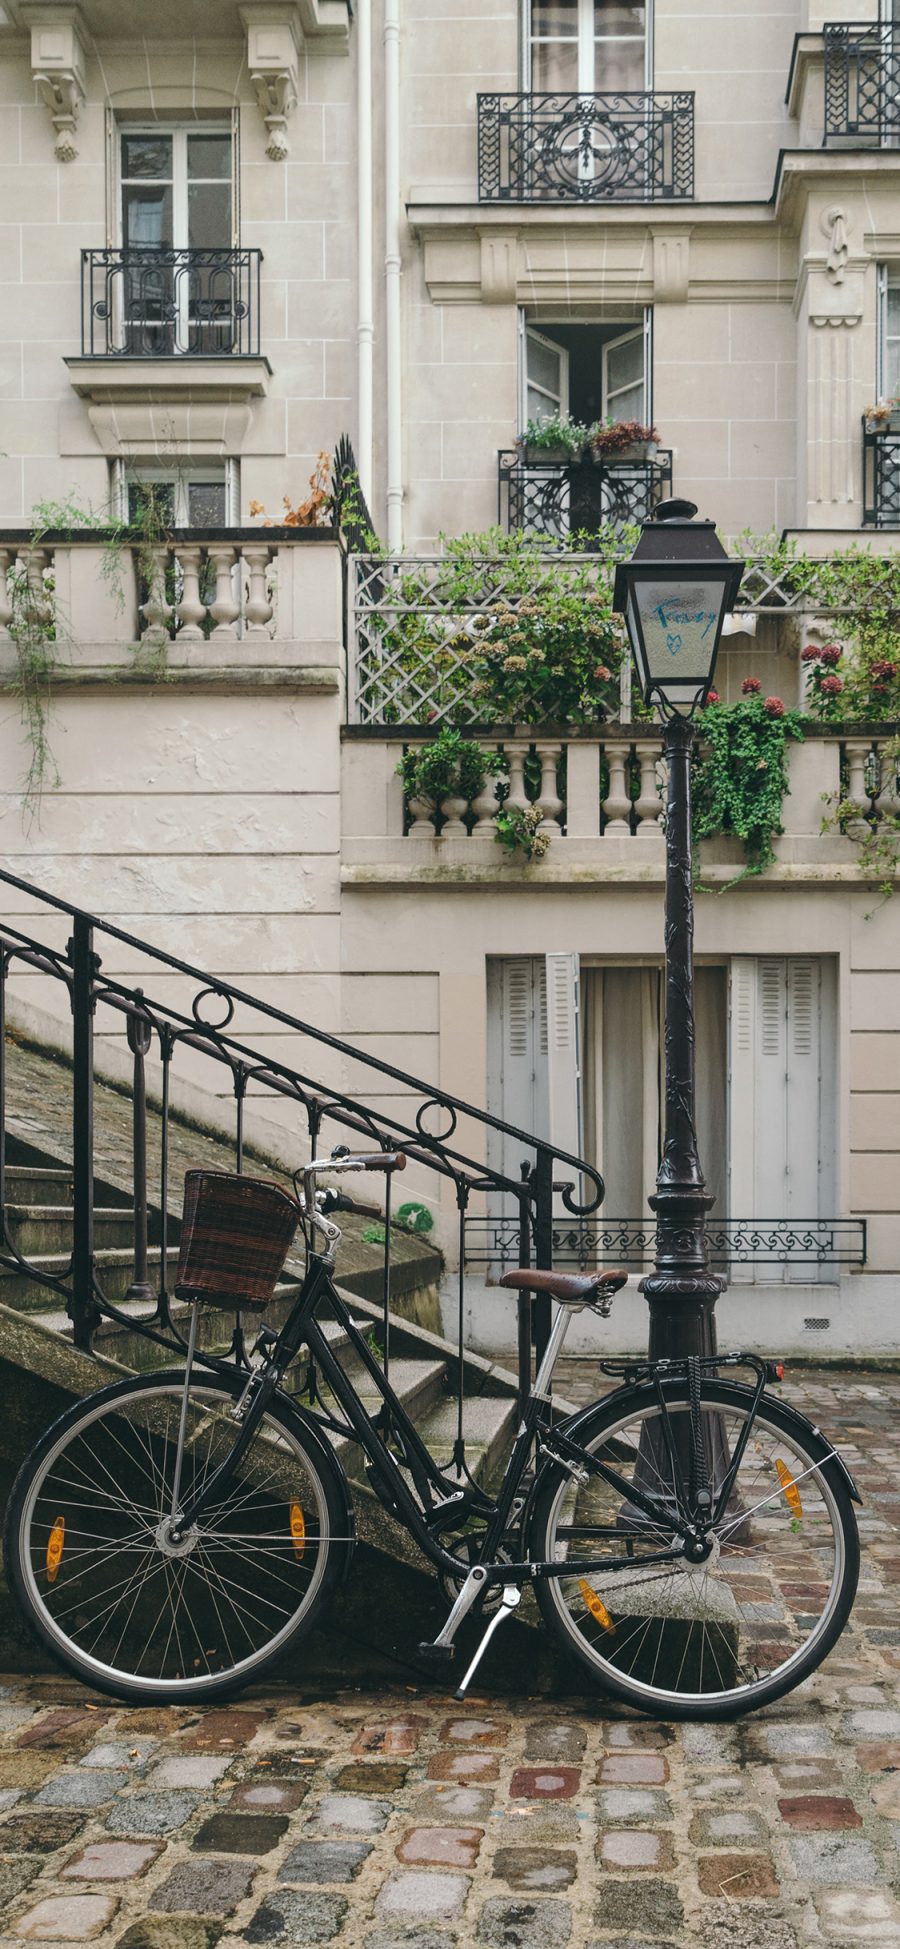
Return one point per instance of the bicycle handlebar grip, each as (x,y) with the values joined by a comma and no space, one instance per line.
(362,1211)
(384,1160)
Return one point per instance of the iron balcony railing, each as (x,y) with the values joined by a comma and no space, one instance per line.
(624,148)
(172,1025)
(562,501)
(824,1245)
(881,476)
(148,302)
(862,81)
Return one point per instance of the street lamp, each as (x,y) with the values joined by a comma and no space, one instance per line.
(675,593)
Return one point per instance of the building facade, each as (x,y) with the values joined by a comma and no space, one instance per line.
(235,233)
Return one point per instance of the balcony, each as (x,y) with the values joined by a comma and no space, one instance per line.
(881,475)
(547,499)
(862,83)
(636,148)
(154,303)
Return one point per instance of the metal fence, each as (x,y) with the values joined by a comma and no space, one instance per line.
(144,302)
(593,148)
(862,81)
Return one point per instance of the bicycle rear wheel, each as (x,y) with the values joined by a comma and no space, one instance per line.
(98,1579)
(712,1639)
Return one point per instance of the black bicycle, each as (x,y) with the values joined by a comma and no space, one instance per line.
(690,1538)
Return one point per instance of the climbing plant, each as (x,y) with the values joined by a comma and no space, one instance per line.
(741,774)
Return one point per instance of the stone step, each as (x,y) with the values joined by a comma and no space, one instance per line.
(37,1229)
(115,1273)
(34,1184)
(416,1383)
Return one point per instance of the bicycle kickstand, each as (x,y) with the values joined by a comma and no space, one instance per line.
(509,1602)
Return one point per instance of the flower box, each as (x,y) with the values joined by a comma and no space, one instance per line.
(637,450)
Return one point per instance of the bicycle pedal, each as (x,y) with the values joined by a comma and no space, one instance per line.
(437,1656)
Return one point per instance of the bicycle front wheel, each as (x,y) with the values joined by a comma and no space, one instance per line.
(704,1640)
(100,1581)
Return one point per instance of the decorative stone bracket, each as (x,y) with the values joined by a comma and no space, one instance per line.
(273,40)
(57,62)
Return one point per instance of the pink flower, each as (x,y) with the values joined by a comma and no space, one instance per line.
(831,686)
(601,673)
(750,686)
(832,653)
(883,670)
(810,654)
(712,697)
(774,706)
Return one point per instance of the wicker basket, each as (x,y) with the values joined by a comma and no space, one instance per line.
(236,1236)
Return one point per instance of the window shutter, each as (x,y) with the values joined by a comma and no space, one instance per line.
(517,1056)
(563,1051)
(741,1097)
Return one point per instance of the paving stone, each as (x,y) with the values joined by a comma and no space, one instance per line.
(797,1742)
(709,1745)
(66,1918)
(62,1728)
(539,1822)
(268,1796)
(633,1770)
(871,1723)
(151,1813)
(396,1738)
(9,1796)
(467,1768)
(729,1827)
(832,1859)
(811,1810)
(475,1732)
(631,1734)
(735,1925)
(633,1804)
(203,1887)
(409,1939)
(229,1833)
(857,1915)
(441,1847)
(15,1715)
(740,1877)
(635,1850)
(25,1770)
(535,1870)
(14,1877)
(883,1756)
(111,1861)
(217,1730)
(39,1833)
(420,1893)
(717,1786)
(525,1925)
(297,1918)
(158,1932)
(807,1776)
(81,1789)
(131,1753)
(318,1861)
(544,1783)
(885,1796)
(653,1907)
(371,1776)
(453,1803)
(188,1770)
(548,1740)
(348,1813)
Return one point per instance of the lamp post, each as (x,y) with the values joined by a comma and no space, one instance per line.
(674,594)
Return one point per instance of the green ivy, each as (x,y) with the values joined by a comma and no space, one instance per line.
(449,766)
(741,776)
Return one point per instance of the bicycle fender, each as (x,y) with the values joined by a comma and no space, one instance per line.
(573,1424)
(330,1464)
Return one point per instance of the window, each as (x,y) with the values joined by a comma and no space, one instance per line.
(591,371)
(586,46)
(177,197)
(888,375)
(182,497)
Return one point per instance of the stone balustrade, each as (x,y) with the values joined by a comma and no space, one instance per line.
(588,789)
(870,793)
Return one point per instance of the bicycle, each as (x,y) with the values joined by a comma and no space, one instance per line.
(690,1538)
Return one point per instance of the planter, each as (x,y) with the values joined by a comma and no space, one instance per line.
(890,424)
(558,456)
(638,450)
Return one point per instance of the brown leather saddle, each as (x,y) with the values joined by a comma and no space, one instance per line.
(568,1287)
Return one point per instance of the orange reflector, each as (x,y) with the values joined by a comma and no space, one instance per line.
(55,1543)
(595,1605)
(789,1487)
(298,1529)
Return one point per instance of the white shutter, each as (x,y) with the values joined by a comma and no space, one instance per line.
(517,1056)
(624,376)
(741,1091)
(546,377)
(564,1054)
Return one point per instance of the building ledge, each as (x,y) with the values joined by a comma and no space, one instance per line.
(314,679)
(230,380)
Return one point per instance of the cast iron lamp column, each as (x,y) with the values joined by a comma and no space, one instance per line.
(675,593)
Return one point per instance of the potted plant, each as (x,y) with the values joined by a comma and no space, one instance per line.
(622,440)
(445,774)
(555,441)
(883,417)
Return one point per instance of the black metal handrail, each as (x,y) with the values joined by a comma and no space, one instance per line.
(594,148)
(559,499)
(150,302)
(819,1242)
(862,80)
(881,476)
(157,1027)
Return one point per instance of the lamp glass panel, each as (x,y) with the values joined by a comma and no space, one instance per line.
(680,627)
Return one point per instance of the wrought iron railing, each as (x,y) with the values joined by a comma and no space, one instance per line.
(558,501)
(146,302)
(862,81)
(823,1244)
(881,477)
(608,148)
(180,1020)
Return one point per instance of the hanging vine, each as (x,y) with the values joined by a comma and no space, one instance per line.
(742,773)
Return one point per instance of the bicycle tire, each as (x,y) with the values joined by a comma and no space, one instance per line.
(279,1565)
(754,1593)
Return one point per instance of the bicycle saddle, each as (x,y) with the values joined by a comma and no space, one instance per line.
(565,1285)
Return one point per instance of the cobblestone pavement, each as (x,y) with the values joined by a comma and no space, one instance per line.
(404,1821)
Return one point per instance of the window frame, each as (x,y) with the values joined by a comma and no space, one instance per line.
(587,38)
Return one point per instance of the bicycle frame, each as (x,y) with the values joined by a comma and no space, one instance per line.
(302,1329)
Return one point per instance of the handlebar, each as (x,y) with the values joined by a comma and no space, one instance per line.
(338,1201)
